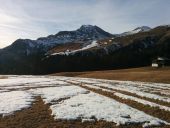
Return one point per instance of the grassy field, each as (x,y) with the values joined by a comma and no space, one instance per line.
(146,74)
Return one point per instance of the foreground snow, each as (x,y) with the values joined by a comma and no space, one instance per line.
(138,88)
(124,96)
(70,102)
(87,106)
(142,101)
(14,101)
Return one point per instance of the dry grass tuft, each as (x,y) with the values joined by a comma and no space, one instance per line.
(3,77)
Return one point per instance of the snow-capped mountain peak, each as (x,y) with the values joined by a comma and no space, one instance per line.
(136,30)
(86,26)
(84,33)
(142,29)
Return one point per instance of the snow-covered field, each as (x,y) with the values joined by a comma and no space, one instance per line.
(69,101)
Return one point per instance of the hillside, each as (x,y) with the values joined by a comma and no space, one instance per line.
(85,49)
(129,51)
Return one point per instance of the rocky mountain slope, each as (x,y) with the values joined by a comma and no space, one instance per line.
(136,30)
(87,48)
(24,54)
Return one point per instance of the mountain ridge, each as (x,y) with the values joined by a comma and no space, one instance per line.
(136,30)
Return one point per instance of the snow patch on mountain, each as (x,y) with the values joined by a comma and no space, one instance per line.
(93,44)
(84,33)
(136,30)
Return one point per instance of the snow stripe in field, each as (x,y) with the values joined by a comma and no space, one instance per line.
(88,106)
(148,100)
(142,101)
(124,96)
(135,91)
(50,94)
(19,81)
(14,83)
(141,85)
(88,85)
(13,101)
(82,104)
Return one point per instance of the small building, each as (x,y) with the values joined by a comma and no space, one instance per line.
(160,62)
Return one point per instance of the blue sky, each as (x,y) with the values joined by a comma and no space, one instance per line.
(35,18)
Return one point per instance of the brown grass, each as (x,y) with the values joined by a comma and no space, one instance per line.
(145,74)
(3,77)
(67,46)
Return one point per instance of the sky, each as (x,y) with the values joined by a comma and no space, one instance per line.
(30,19)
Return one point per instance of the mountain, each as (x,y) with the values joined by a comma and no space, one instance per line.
(136,30)
(85,33)
(24,54)
(87,48)
(120,52)
(142,29)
